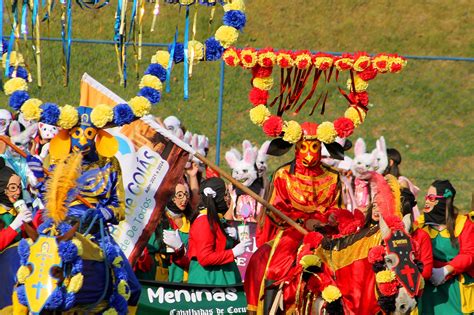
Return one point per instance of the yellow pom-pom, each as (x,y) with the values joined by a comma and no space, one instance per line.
(16,59)
(356,115)
(385,276)
(101,115)
(265,84)
(15,84)
(22,273)
(293,131)
(110,311)
(78,244)
(235,5)
(68,117)
(162,58)
(362,63)
(196,50)
(149,80)
(360,85)
(140,106)
(310,260)
(31,109)
(326,132)
(226,35)
(75,284)
(259,114)
(123,289)
(331,293)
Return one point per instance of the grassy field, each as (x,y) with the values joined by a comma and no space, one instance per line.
(425,111)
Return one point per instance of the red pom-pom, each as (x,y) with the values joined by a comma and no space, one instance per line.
(395,67)
(313,239)
(273,126)
(344,127)
(261,72)
(258,97)
(368,74)
(361,98)
(388,288)
(376,254)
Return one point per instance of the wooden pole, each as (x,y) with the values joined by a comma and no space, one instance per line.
(249,192)
(7,141)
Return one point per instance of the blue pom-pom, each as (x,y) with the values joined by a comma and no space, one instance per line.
(235,18)
(67,251)
(178,52)
(21,293)
(23,251)
(56,300)
(157,70)
(69,300)
(17,99)
(20,73)
(50,113)
(64,227)
(214,49)
(151,94)
(123,114)
(119,303)
(77,267)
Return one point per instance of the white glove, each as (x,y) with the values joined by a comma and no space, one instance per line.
(231,231)
(24,216)
(439,276)
(172,239)
(239,249)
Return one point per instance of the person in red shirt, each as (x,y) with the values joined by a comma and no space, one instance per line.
(212,248)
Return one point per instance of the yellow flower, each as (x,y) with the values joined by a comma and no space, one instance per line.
(248,57)
(303,61)
(162,58)
(123,289)
(78,244)
(310,260)
(385,276)
(381,63)
(75,284)
(235,5)
(231,53)
(326,132)
(356,115)
(265,84)
(320,60)
(111,311)
(293,131)
(68,117)
(285,56)
(331,293)
(101,115)
(360,85)
(31,109)
(259,114)
(362,63)
(196,48)
(15,84)
(140,106)
(149,80)
(16,59)
(226,35)
(265,57)
(22,273)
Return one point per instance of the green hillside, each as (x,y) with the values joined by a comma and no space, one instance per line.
(425,111)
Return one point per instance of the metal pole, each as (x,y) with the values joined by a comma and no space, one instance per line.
(219,114)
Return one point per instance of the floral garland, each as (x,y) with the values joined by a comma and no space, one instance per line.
(102,115)
(361,66)
(234,21)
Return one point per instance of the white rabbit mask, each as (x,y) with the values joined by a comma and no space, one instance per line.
(5,119)
(20,138)
(262,156)
(363,161)
(380,156)
(243,167)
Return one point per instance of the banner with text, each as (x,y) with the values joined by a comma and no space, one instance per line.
(247,230)
(151,166)
(188,299)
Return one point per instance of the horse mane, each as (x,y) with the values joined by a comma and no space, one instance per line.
(60,187)
(387,194)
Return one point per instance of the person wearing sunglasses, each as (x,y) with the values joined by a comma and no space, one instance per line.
(450,289)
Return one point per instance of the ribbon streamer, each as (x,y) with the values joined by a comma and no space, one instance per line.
(156,11)
(193,52)
(186,60)
(170,61)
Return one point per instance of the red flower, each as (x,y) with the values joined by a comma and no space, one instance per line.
(258,97)
(361,98)
(376,254)
(261,72)
(388,288)
(368,74)
(273,126)
(344,127)
(395,67)
(313,239)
